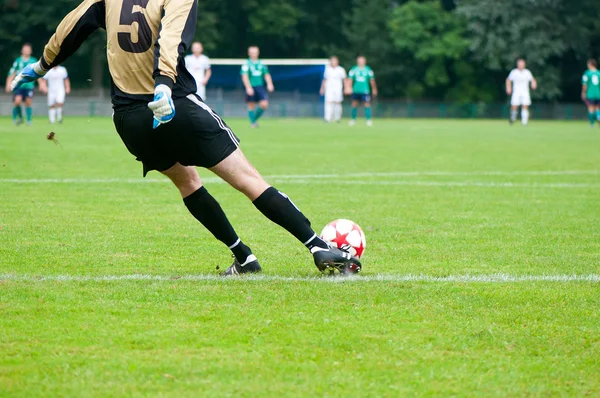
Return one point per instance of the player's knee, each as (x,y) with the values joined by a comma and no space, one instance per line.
(252,186)
(185,178)
(237,171)
(249,182)
(264,105)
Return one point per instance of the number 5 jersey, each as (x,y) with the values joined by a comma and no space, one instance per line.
(146,42)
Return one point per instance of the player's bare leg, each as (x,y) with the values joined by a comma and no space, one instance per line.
(17,112)
(262,107)
(525,115)
(354,113)
(209,213)
(276,206)
(237,171)
(368,114)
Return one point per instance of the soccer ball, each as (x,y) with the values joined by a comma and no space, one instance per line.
(345,235)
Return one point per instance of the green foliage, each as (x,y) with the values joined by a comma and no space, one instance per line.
(545,32)
(434,38)
(434,49)
(367,34)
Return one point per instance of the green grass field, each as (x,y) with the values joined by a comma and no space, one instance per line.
(481,275)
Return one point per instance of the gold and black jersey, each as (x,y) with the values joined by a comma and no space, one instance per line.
(146,41)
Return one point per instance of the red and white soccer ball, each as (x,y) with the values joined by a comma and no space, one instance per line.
(345,235)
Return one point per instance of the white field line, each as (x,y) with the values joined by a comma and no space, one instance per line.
(492,278)
(354,179)
(479,184)
(308,176)
(444,183)
(446,173)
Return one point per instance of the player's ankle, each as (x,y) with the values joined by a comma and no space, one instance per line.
(316,242)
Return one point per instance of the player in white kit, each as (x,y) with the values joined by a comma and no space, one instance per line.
(59,86)
(518,84)
(198,65)
(333,89)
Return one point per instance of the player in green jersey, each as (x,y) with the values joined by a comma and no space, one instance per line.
(590,91)
(254,76)
(25,93)
(360,84)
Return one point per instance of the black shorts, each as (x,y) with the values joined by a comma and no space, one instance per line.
(593,102)
(25,93)
(196,136)
(260,94)
(361,98)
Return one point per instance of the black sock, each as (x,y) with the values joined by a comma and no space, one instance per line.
(278,208)
(208,211)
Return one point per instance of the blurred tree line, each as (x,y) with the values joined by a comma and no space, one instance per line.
(451,50)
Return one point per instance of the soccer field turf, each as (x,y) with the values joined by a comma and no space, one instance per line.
(481,275)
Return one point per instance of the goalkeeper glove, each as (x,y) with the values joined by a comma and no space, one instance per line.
(162,106)
(30,74)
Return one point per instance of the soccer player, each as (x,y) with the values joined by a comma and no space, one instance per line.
(590,91)
(333,89)
(59,86)
(517,85)
(198,65)
(254,76)
(168,128)
(25,91)
(361,84)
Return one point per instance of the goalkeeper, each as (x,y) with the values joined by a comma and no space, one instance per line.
(153,90)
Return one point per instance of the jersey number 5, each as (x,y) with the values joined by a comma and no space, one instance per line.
(128,17)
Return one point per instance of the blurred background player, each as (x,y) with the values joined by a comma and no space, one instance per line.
(361,84)
(518,84)
(333,89)
(198,65)
(254,76)
(25,92)
(58,86)
(590,91)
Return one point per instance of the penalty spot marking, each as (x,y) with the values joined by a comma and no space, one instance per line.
(492,278)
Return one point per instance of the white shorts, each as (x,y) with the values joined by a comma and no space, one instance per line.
(334,96)
(520,99)
(56,97)
(201,91)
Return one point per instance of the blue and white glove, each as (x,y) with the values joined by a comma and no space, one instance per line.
(162,106)
(30,74)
